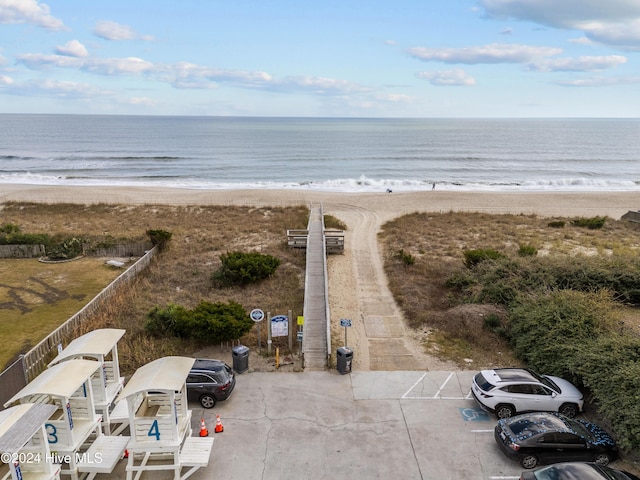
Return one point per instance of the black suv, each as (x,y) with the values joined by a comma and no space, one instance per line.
(210,381)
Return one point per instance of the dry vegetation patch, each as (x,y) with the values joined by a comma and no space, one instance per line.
(182,273)
(436,243)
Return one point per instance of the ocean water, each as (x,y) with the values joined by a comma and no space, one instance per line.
(348,155)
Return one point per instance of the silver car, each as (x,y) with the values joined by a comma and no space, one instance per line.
(509,391)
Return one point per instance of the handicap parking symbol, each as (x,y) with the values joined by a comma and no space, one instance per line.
(474,415)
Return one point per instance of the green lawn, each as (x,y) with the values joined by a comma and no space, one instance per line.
(37,297)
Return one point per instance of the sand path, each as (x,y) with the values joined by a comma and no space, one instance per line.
(358,290)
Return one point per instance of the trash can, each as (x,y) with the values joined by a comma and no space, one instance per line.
(345,359)
(240,355)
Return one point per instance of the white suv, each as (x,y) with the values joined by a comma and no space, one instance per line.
(508,391)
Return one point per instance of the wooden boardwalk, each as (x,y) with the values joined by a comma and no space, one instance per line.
(316,343)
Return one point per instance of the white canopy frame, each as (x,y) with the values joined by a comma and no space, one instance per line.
(160,421)
(67,386)
(22,435)
(100,345)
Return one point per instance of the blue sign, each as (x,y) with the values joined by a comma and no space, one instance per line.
(345,322)
(257,315)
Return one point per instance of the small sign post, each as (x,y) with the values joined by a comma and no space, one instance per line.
(345,322)
(257,316)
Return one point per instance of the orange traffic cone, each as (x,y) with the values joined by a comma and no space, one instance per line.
(219,428)
(203,429)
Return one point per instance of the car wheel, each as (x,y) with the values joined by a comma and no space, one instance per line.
(505,411)
(569,410)
(208,401)
(528,461)
(601,459)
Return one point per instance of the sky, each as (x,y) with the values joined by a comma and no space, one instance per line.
(303,58)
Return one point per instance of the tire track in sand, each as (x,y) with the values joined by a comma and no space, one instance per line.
(378,334)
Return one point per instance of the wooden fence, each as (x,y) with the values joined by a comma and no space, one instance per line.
(36,359)
(21,251)
(12,380)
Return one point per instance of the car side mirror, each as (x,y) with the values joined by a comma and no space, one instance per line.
(554,394)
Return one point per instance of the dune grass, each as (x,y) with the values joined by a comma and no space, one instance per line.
(182,273)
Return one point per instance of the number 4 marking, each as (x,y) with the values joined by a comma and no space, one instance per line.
(154,431)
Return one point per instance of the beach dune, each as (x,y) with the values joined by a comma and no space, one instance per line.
(387,205)
(358,286)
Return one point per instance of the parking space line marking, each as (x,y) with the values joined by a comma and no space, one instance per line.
(443,385)
(433,398)
(414,385)
(481,431)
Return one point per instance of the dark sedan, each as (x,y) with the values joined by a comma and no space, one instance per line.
(540,437)
(576,470)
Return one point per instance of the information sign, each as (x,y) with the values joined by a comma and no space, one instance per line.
(279,326)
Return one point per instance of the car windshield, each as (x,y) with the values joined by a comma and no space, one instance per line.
(483,383)
(546,381)
(578,427)
(581,471)
(533,424)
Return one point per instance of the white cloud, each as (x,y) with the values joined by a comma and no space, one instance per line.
(614,22)
(116,31)
(144,101)
(102,66)
(192,76)
(624,34)
(72,49)
(38,61)
(119,66)
(28,11)
(581,41)
(455,77)
(492,53)
(507,31)
(64,89)
(599,82)
(5,80)
(580,64)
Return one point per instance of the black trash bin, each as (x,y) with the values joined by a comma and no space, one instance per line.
(345,359)
(240,355)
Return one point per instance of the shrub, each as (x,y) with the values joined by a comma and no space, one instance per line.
(556,224)
(9,228)
(493,323)
(159,238)
(209,322)
(406,258)
(240,268)
(216,322)
(65,250)
(474,257)
(593,223)
(162,321)
(527,251)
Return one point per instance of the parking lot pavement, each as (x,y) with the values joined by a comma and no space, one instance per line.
(323,425)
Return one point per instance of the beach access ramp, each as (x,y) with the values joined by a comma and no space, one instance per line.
(316,343)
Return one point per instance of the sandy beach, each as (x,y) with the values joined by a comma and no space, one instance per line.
(357,282)
(387,205)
